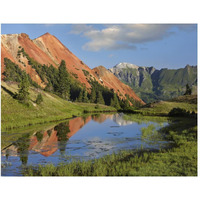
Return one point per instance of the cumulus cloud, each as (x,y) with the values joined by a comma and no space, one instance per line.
(124,36)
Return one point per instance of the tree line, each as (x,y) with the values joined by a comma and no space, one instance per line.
(60,82)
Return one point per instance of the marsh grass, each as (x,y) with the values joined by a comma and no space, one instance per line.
(178,160)
(150,134)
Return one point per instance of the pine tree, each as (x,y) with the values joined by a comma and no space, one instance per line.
(85,97)
(126,105)
(115,102)
(93,95)
(188,90)
(39,99)
(63,82)
(100,98)
(23,94)
(80,97)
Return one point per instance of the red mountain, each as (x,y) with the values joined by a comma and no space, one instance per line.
(48,50)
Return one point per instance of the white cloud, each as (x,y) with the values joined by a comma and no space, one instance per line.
(125,36)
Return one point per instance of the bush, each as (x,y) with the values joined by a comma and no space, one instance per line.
(39,99)
(179,112)
(86,73)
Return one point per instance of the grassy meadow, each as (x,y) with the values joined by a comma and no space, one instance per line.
(180,159)
(15,114)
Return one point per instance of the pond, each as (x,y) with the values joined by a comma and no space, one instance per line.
(80,138)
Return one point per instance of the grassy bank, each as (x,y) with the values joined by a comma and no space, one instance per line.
(53,108)
(180,160)
(162,108)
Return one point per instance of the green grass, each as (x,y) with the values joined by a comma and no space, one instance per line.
(53,108)
(163,107)
(179,160)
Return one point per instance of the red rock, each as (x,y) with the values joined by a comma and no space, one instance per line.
(48,50)
(109,80)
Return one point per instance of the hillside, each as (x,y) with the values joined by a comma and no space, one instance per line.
(111,81)
(15,114)
(151,84)
(47,51)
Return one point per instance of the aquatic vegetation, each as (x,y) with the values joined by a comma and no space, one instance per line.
(179,160)
(151,135)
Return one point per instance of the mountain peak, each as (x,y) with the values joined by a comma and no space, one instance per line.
(47,34)
(126,65)
(101,68)
(48,50)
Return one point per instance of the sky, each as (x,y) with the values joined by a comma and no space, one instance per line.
(159,45)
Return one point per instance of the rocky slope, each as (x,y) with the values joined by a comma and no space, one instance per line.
(48,50)
(152,84)
(109,80)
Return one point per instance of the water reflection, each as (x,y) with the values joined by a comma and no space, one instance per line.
(22,146)
(62,136)
(93,136)
(45,142)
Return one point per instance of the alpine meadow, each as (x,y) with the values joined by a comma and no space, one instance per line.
(123,103)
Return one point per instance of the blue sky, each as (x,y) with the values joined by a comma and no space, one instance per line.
(159,45)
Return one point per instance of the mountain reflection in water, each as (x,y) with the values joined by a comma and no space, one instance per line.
(97,135)
(49,141)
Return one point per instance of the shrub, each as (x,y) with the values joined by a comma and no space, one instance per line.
(86,73)
(178,112)
(39,99)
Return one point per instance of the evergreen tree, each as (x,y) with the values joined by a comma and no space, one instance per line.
(80,97)
(74,90)
(93,95)
(115,102)
(126,104)
(23,94)
(49,87)
(85,97)
(63,81)
(100,98)
(39,99)
(188,90)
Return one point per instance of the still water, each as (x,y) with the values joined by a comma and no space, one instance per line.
(80,138)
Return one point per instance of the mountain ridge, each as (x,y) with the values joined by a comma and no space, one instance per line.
(48,50)
(151,84)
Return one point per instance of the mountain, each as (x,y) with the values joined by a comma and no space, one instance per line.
(109,80)
(151,84)
(45,49)
(34,56)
